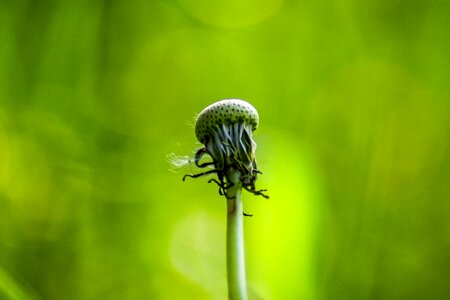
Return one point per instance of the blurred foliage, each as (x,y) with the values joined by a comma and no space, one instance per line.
(353,142)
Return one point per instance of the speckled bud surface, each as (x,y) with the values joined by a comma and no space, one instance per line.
(225,112)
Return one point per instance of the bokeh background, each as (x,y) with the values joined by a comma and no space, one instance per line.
(353,98)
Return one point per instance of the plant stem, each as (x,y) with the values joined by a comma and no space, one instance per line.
(237,284)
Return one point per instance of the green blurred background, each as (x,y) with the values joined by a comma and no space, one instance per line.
(353,98)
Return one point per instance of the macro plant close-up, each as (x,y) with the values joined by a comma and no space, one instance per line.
(226,128)
(213,150)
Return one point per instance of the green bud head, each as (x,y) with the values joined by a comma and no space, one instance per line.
(225,112)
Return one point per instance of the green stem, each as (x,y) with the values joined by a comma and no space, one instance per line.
(237,284)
